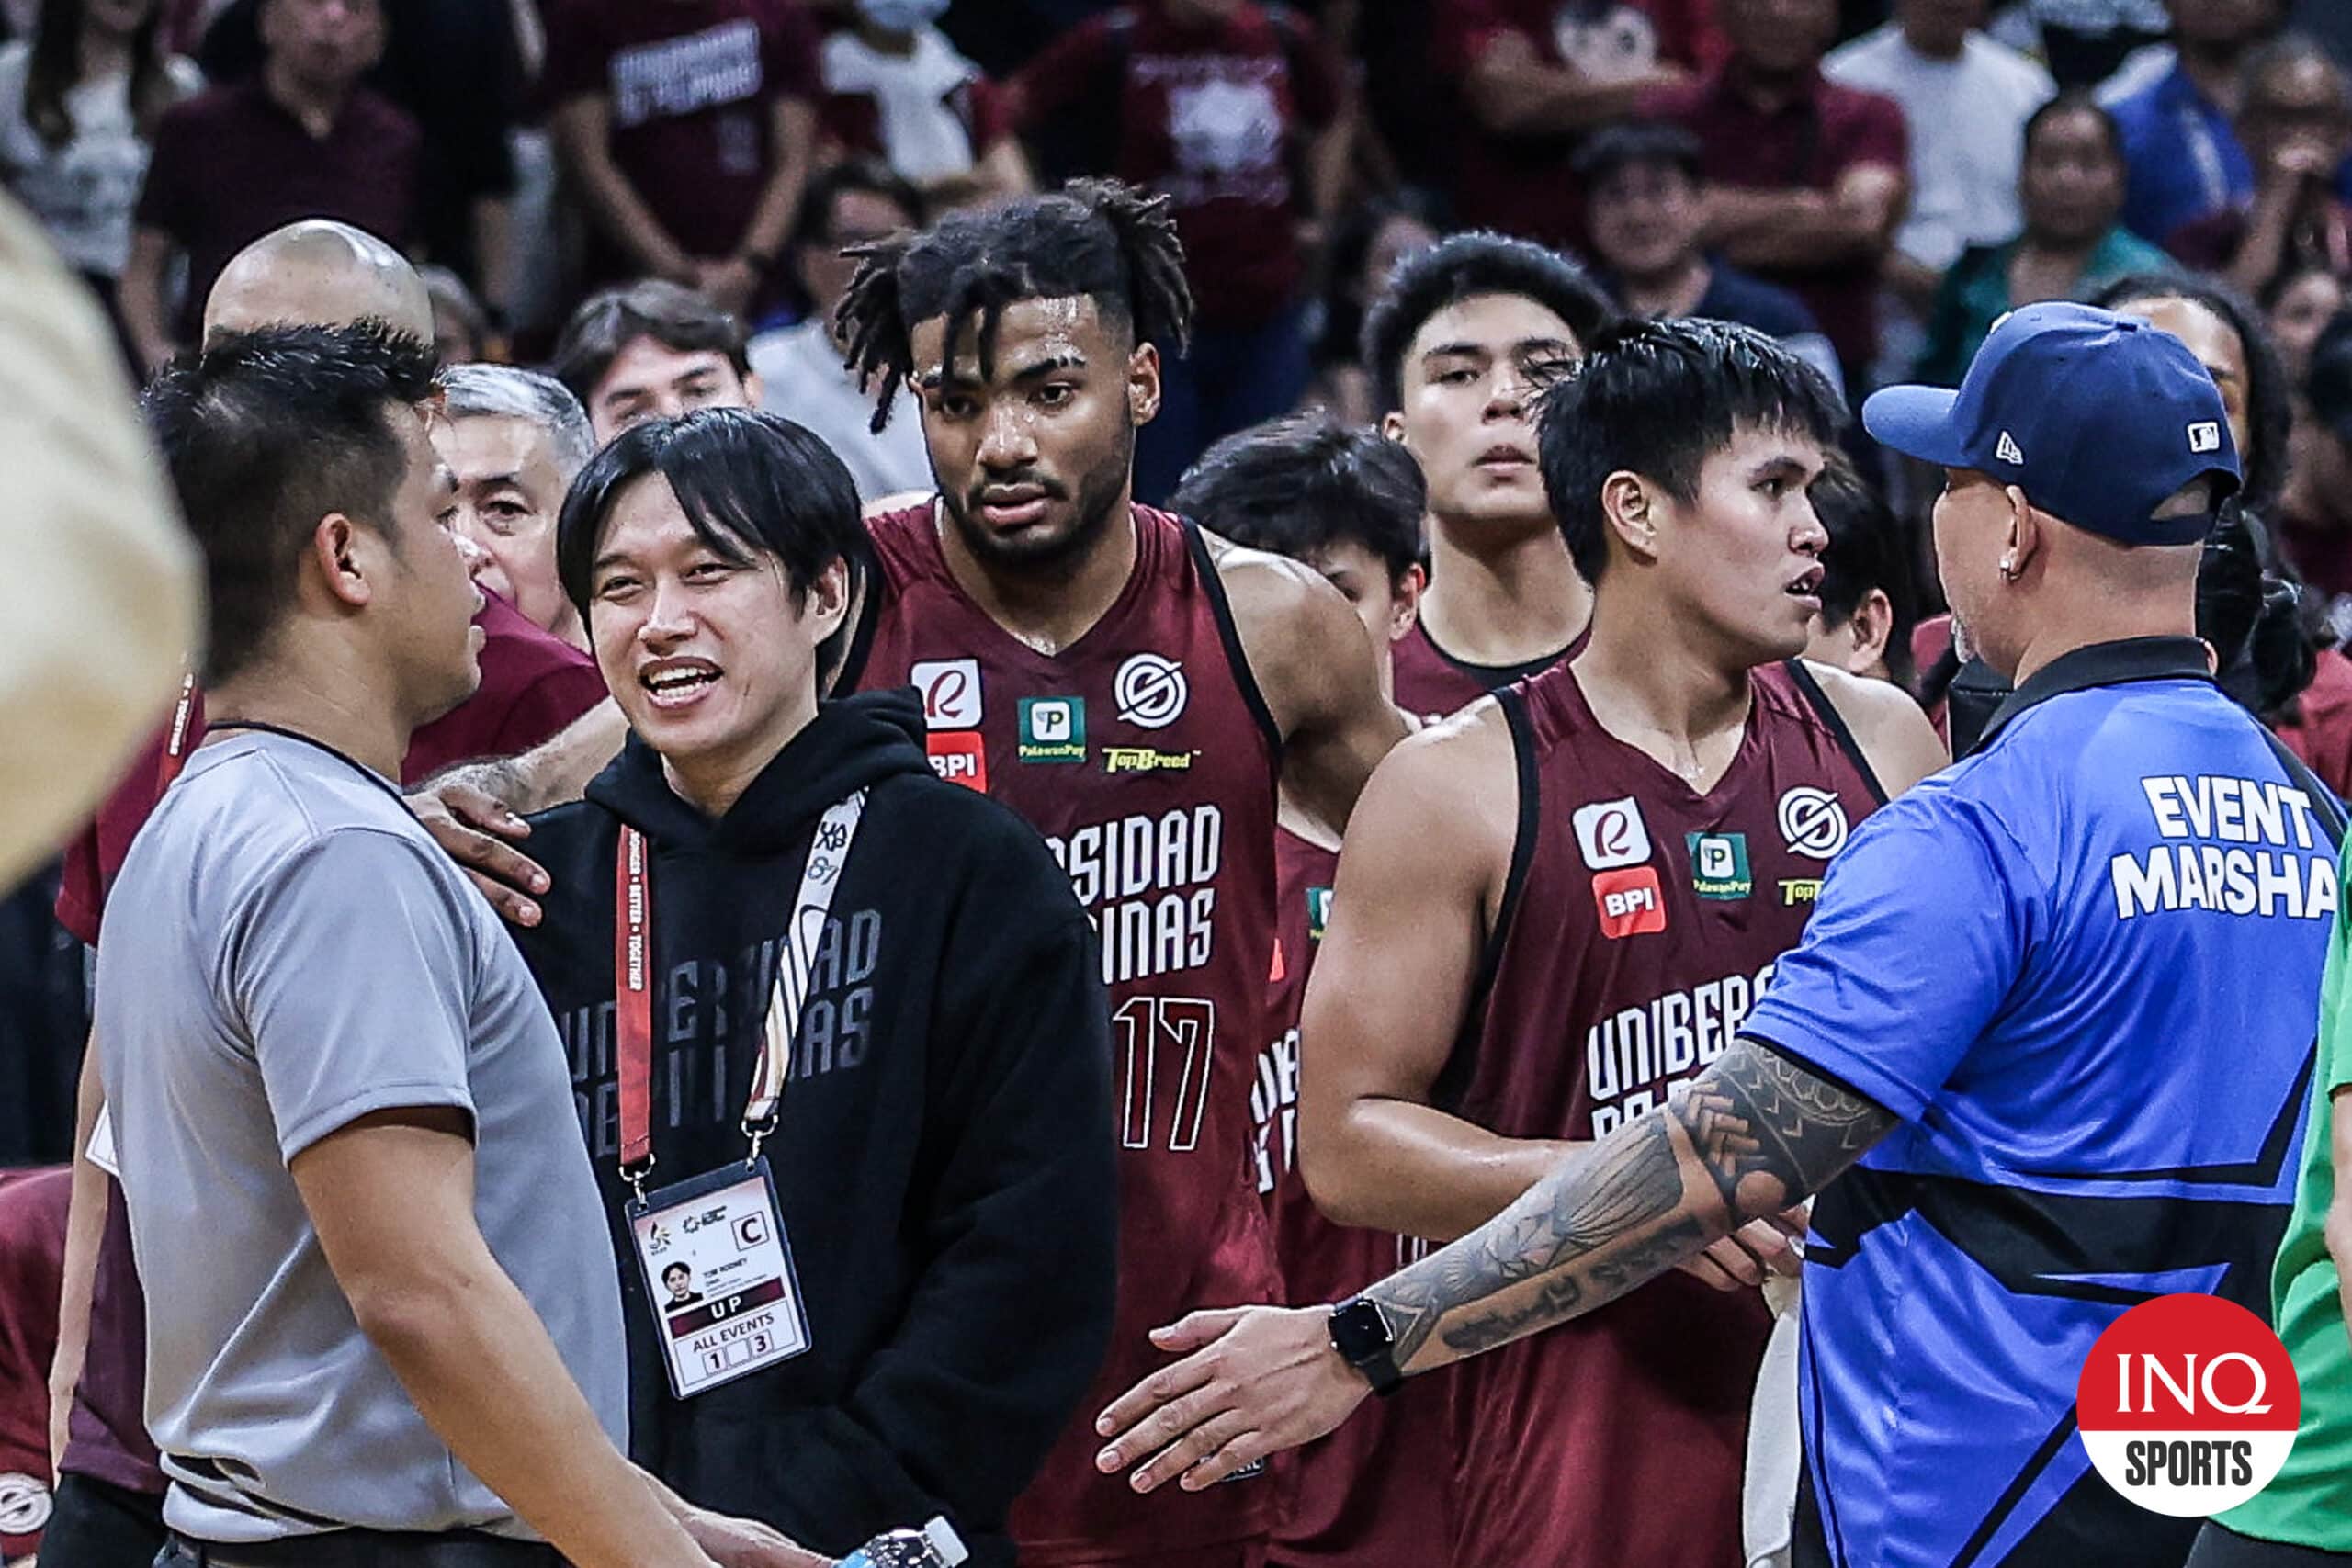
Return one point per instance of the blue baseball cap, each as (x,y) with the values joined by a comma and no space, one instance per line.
(2098,418)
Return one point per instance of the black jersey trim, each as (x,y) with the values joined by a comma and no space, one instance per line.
(1229,633)
(1495,677)
(2019,1485)
(1453,1079)
(2323,801)
(1838,728)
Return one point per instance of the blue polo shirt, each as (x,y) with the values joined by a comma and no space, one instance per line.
(2184,160)
(2082,966)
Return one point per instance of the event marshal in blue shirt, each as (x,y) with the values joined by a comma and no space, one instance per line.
(2043,1052)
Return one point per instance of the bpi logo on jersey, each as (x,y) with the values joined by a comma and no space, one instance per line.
(951,693)
(2188,1406)
(1631,902)
(1813,821)
(1612,833)
(1150,691)
(960,759)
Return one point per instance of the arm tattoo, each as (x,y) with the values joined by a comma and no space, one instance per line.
(1755,1133)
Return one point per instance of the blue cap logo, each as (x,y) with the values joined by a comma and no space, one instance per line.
(2086,411)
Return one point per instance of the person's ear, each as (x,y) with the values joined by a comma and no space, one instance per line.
(1404,601)
(2024,539)
(1868,631)
(344,554)
(754,390)
(1631,510)
(828,604)
(1143,383)
(1392,426)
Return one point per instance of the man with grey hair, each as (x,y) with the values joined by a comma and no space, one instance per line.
(514,439)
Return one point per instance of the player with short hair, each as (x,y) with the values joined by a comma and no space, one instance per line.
(1554,909)
(1349,503)
(1462,344)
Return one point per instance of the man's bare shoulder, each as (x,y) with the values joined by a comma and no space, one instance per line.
(1888,725)
(1450,787)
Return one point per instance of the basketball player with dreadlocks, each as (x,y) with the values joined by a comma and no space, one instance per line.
(1135,688)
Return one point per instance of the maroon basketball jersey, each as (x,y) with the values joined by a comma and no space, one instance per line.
(1146,756)
(1372,1493)
(1641,921)
(1432,684)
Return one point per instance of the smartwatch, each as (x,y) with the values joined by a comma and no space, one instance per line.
(1360,1333)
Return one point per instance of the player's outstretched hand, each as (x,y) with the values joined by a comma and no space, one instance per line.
(1742,1259)
(475,830)
(1257,1381)
(731,1542)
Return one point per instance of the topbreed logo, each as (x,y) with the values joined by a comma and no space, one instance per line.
(2188,1405)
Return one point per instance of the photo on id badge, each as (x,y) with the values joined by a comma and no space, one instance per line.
(719,1276)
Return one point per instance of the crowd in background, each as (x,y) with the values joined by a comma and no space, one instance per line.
(1874,182)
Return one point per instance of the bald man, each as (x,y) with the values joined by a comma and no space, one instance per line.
(109,1494)
(322,272)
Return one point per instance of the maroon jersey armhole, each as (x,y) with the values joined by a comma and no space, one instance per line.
(1454,1078)
(1228,632)
(1810,689)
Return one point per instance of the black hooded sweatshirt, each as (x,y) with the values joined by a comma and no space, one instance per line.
(945,1156)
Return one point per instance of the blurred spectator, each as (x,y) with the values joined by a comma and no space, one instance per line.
(79,102)
(652,351)
(1366,246)
(2298,306)
(2083,40)
(461,327)
(1806,179)
(895,89)
(685,128)
(1965,103)
(1534,76)
(1868,603)
(514,439)
(2314,517)
(33,1264)
(2297,128)
(2185,159)
(1235,112)
(803,370)
(2225,331)
(2072,190)
(301,139)
(46,1008)
(1647,207)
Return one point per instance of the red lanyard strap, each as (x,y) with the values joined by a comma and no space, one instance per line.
(633,981)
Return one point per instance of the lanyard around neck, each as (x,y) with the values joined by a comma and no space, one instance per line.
(174,757)
(633,981)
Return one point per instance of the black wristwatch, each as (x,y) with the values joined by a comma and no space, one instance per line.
(1360,1333)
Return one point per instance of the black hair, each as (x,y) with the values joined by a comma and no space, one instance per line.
(2074,100)
(54,69)
(676,1269)
(2269,407)
(1867,549)
(1297,485)
(2253,616)
(1339,338)
(1096,239)
(265,433)
(673,316)
(1657,398)
(1463,266)
(813,220)
(1647,142)
(751,484)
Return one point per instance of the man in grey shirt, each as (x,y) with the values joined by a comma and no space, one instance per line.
(383,1321)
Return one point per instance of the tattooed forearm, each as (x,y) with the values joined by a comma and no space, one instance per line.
(1754,1134)
(1769,1132)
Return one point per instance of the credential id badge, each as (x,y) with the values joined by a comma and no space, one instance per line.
(719,1276)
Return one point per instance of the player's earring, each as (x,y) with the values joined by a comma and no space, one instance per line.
(2008,569)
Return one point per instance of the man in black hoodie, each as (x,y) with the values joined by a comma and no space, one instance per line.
(943,1164)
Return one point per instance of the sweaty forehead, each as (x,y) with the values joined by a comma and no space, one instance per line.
(1029,332)
(1492,323)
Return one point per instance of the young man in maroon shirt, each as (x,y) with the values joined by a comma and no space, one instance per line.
(1236,112)
(301,140)
(1806,179)
(688,127)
